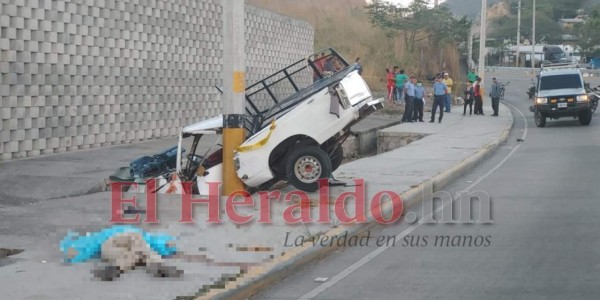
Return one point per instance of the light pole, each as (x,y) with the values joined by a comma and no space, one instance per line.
(234,83)
(482,37)
(533,40)
(518,33)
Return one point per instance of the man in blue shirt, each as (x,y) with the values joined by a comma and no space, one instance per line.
(495,94)
(409,93)
(358,66)
(439,96)
(419,102)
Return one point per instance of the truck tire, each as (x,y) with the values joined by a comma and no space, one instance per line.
(305,166)
(585,117)
(540,119)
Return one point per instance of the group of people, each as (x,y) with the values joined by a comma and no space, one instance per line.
(406,88)
(473,94)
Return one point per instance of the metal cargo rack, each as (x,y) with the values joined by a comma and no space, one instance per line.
(278,93)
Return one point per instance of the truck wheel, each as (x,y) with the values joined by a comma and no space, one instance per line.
(336,158)
(306,166)
(585,117)
(540,119)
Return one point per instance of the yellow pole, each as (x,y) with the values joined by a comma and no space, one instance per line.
(232,138)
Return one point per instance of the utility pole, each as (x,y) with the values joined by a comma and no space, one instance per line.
(482,38)
(234,83)
(518,33)
(470,62)
(533,40)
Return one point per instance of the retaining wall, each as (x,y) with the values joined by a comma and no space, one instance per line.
(88,73)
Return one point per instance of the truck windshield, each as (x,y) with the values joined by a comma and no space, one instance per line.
(568,81)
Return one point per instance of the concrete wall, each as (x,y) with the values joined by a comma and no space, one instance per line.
(87,73)
(387,141)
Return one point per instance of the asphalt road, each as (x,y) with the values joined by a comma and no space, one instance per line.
(543,243)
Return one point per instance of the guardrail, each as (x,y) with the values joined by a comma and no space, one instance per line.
(496,69)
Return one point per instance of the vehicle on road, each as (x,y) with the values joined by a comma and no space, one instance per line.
(296,122)
(553,54)
(560,92)
(503,89)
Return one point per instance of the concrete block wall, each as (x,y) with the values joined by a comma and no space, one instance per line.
(266,36)
(81,74)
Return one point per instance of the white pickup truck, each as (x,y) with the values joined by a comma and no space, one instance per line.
(296,121)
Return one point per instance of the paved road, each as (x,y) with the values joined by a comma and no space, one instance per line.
(543,243)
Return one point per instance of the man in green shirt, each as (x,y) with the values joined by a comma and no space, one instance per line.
(401,79)
(472,76)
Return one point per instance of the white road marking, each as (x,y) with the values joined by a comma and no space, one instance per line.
(367,258)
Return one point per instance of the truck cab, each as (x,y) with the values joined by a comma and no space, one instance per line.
(554,54)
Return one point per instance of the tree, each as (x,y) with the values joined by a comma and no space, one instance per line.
(547,28)
(437,24)
(589,33)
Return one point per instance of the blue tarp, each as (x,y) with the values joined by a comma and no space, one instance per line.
(89,245)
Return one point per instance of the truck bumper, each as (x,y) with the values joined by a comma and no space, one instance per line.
(553,111)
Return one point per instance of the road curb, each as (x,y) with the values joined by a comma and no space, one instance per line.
(262,277)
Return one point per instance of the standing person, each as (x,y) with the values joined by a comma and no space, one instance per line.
(469,98)
(495,93)
(395,96)
(401,79)
(439,96)
(419,102)
(391,84)
(478,99)
(472,76)
(358,66)
(409,100)
(448,101)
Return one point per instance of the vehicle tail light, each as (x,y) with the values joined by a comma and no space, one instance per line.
(343,96)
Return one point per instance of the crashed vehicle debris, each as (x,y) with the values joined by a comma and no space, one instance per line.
(296,121)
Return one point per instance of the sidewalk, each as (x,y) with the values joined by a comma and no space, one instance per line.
(27,181)
(449,149)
